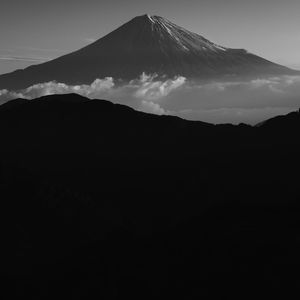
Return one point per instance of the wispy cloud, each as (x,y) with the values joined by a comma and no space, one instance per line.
(28,59)
(294,66)
(29,54)
(38,49)
(90,40)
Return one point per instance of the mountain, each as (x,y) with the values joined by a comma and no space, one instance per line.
(71,123)
(287,122)
(99,201)
(149,44)
(68,123)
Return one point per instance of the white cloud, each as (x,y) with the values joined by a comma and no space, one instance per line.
(151,107)
(98,87)
(6,95)
(231,101)
(153,90)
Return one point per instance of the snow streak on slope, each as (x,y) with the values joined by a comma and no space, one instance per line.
(183,38)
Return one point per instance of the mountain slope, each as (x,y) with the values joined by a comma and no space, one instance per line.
(149,44)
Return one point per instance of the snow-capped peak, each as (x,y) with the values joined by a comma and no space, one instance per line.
(182,39)
(150,18)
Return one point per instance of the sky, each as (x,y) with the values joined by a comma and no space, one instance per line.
(34,31)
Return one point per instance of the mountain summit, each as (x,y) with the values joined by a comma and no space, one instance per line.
(149,44)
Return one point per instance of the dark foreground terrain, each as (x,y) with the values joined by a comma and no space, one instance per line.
(99,201)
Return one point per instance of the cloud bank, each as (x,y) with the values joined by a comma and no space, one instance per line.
(217,102)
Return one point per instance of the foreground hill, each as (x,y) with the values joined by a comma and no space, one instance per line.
(149,44)
(101,201)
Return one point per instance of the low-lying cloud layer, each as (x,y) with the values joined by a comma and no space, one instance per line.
(217,102)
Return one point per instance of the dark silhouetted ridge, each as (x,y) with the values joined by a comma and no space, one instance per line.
(71,118)
(99,201)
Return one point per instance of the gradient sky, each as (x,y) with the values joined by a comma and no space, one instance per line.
(34,31)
